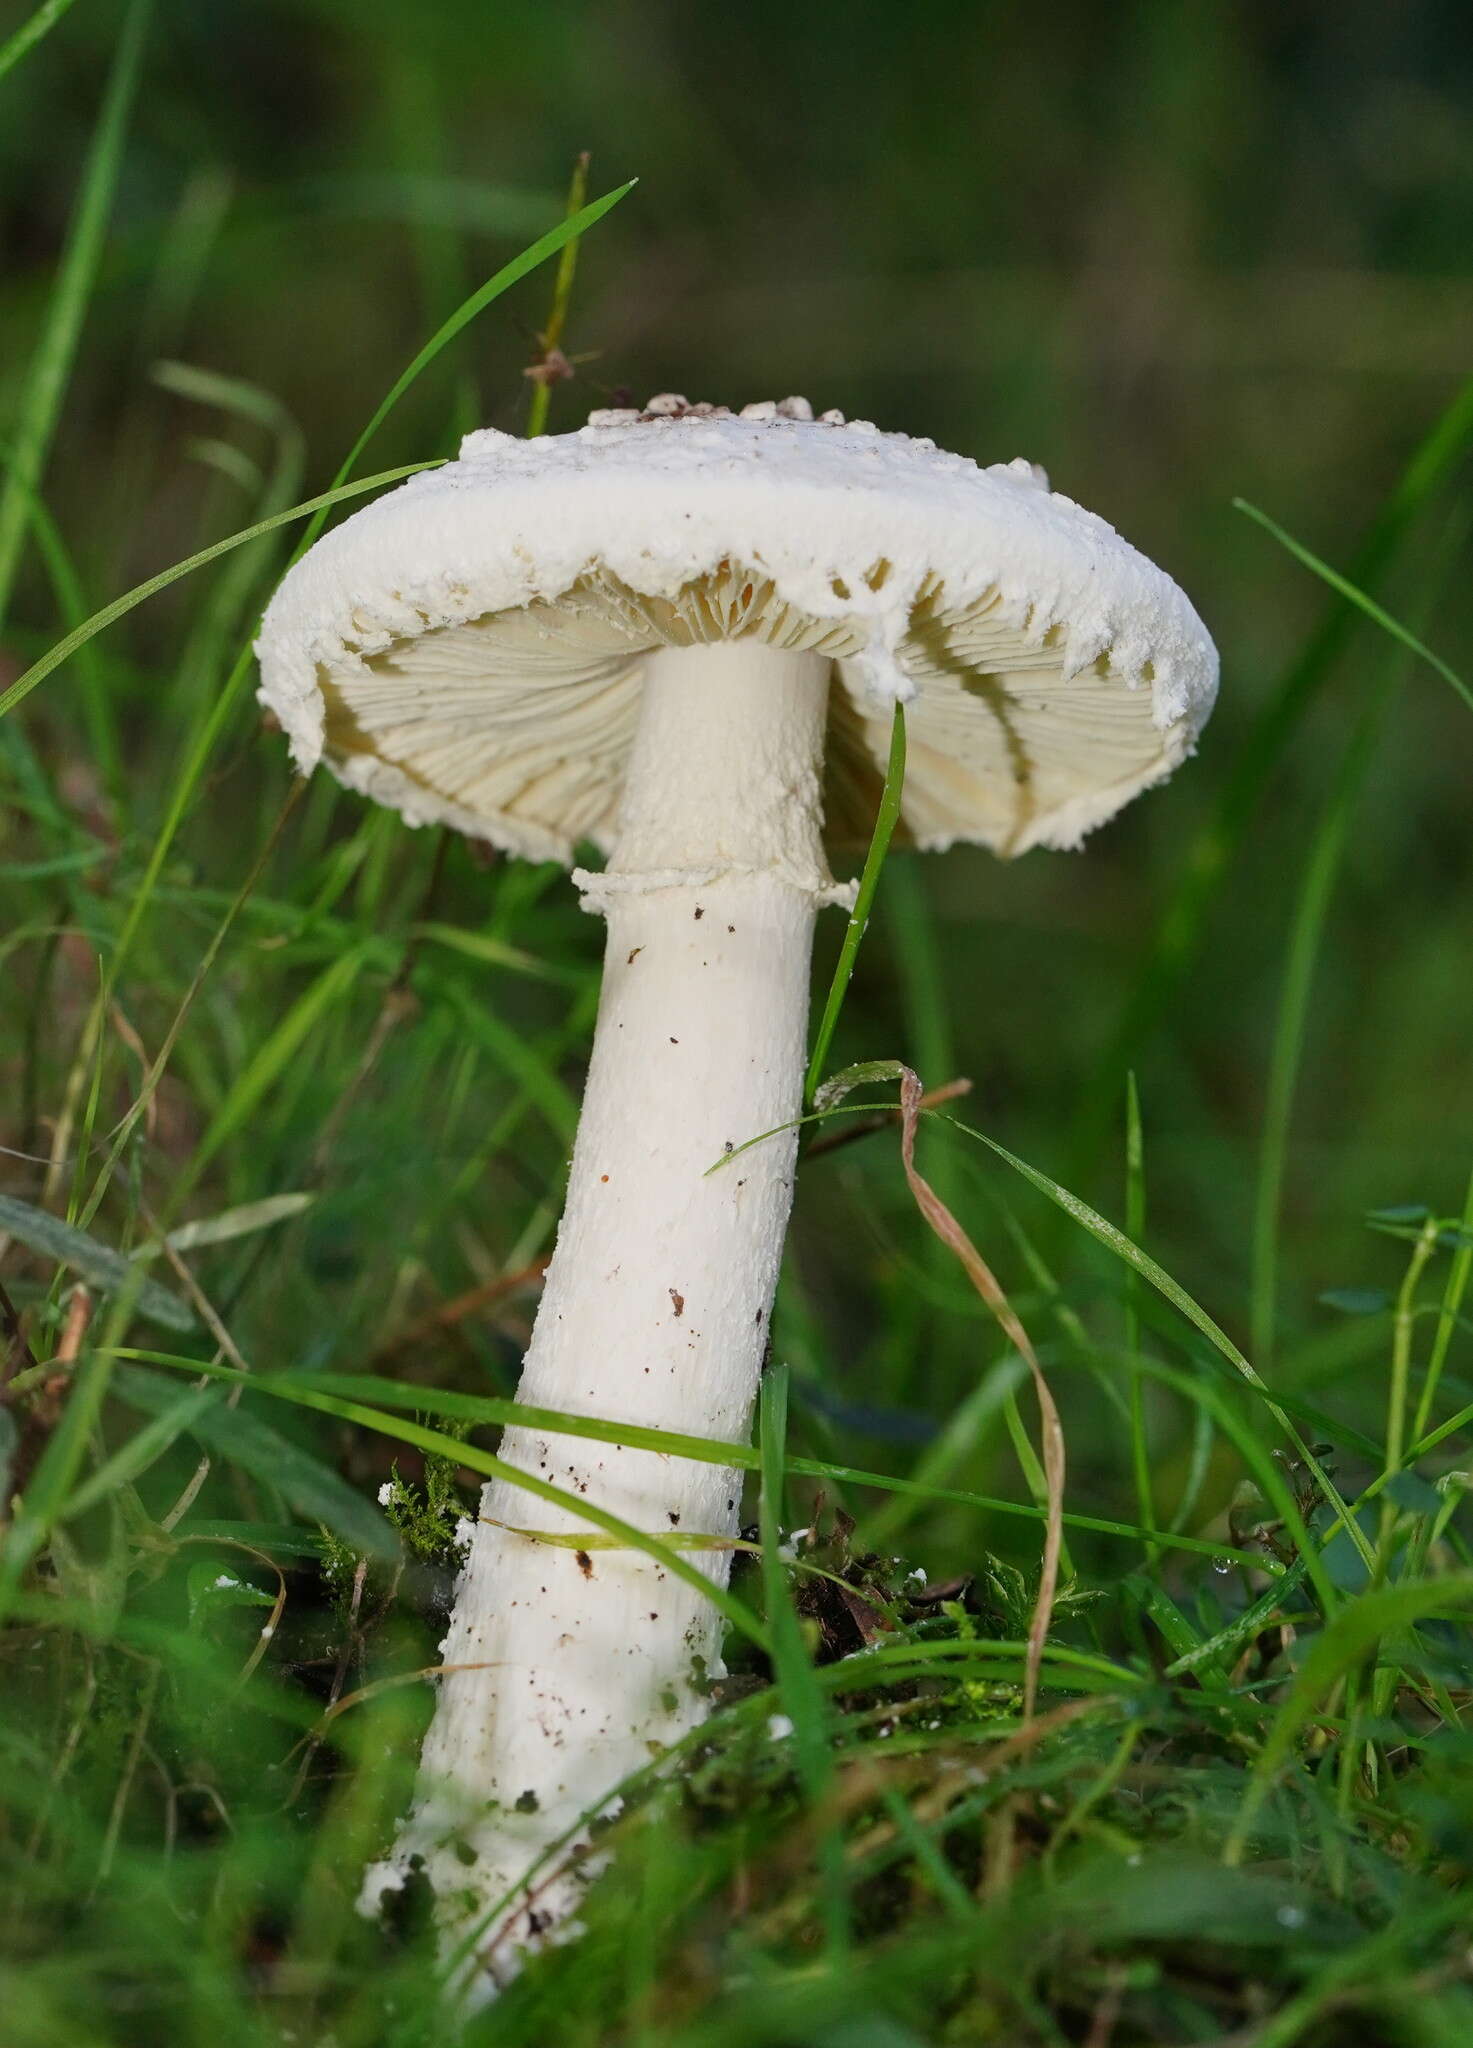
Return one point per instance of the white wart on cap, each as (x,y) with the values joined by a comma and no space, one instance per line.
(469,648)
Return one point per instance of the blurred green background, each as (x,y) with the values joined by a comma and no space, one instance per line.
(1178,253)
(1175,253)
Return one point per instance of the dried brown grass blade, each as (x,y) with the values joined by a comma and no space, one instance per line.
(982,1277)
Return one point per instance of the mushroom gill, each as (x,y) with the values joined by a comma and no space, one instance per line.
(525,717)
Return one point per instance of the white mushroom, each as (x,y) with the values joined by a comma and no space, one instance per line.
(680,635)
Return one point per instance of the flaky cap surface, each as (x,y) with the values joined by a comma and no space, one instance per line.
(469,648)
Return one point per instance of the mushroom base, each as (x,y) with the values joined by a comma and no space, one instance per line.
(579,1660)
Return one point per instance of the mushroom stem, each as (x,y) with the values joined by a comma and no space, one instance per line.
(582,1664)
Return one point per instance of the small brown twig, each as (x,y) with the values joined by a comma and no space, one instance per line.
(67,1754)
(225,1346)
(1106,2015)
(884,1119)
(458,1308)
(278,1606)
(64,1358)
(346,1651)
(41,1415)
(129,1770)
(129,1035)
(552,365)
(19,1356)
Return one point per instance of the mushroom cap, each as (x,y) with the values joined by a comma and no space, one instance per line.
(468,649)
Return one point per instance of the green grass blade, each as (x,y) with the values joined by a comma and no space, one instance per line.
(1353,1633)
(793,1671)
(1352,593)
(44,1499)
(306,1015)
(509,1049)
(1198,1466)
(51,362)
(102,1267)
(1266,1469)
(923,987)
(493,952)
(792,1667)
(365,1388)
(913,1659)
(957,1441)
(1301,958)
(1190,1651)
(1302,955)
(138,1452)
(929,1028)
(220,618)
(562,298)
(434,1441)
(186,783)
(240,1437)
(1243,1627)
(203,743)
(66,584)
(1135,1230)
(1180,928)
(510,273)
(242,1221)
(930,1860)
(99,622)
(236,395)
(1116,1241)
(149,1084)
(886,817)
(15,46)
(1459,1272)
